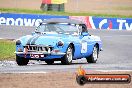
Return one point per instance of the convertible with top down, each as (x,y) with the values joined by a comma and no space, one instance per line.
(58,39)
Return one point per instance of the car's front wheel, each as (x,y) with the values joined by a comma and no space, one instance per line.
(21,61)
(94,56)
(67,59)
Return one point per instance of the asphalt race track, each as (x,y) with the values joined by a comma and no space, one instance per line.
(116,54)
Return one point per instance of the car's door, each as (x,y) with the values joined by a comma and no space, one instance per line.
(86,44)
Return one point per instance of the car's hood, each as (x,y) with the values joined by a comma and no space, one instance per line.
(43,39)
(47,40)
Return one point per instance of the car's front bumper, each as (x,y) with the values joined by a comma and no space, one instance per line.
(40,53)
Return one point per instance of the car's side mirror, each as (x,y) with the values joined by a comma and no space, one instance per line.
(85,34)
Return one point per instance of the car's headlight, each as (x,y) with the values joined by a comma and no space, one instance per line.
(18,42)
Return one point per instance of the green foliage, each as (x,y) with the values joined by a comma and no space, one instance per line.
(7,49)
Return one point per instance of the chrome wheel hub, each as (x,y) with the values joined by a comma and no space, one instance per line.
(69,54)
(95,53)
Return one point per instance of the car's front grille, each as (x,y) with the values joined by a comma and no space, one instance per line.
(35,48)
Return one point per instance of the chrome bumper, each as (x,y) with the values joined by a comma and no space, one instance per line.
(51,53)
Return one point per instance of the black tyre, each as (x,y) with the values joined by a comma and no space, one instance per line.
(21,61)
(67,59)
(49,62)
(94,56)
(81,80)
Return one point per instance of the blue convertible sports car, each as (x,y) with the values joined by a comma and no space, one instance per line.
(58,40)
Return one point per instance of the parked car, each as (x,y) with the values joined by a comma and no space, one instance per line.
(58,39)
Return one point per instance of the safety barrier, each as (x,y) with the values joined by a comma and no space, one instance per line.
(91,21)
(105,23)
(24,19)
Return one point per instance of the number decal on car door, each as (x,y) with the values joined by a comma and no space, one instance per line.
(84,47)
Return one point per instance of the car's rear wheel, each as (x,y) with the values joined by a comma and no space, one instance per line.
(94,56)
(67,59)
(49,62)
(21,61)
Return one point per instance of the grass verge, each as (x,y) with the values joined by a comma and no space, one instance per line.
(16,10)
(124,8)
(7,48)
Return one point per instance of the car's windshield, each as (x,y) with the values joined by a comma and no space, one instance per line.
(58,28)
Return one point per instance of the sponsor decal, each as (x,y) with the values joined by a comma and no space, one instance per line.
(105,23)
(24,19)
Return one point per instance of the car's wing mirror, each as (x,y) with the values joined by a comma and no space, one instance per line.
(85,34)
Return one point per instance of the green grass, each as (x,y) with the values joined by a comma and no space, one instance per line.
(14,10)
(7,49)
(123,8)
